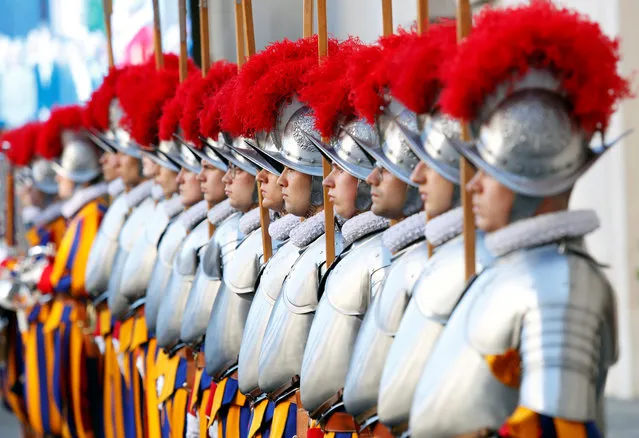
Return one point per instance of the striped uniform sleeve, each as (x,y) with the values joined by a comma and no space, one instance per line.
(525,423)
(69,266)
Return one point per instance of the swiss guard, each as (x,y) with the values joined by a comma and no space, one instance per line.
(526,351)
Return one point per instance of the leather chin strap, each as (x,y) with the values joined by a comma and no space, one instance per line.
(524,207)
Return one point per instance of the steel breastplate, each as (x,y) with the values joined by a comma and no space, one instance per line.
(554,310)
(348,290)
(172,305)
(378,329)
(104,248)
(291,318)
(267,292)
(132,231)
(170,245)
(218,253)
(139,264)
(434,297)
(230,309)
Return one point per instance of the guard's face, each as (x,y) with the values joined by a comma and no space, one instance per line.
(296,191)
(270,190)
(167,179)
(109,163)
(29,196)
(66,187)
(189,187)
(436,191)
(211,184)
(388,193)
(129,169)
(239,187)
(342,191)
(149,168)
(492,202)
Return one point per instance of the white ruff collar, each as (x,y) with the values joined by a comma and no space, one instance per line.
(362,225)
(30,214)
(405,233)
(116,187)
(157,192)
(280,229)
(173,205)
(308,231)
(194,215)
(250,221)
(139,193)
(540,230)
(444,227)
(50,213)
(82,197)
(220,212)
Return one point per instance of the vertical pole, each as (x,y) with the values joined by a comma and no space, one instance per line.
(387,17)
(248,38)
(308,18)
(157,36)
(329,217)
(464,23)
(9,235)
(204,37)
(182,26)
(108,11)
(239,34)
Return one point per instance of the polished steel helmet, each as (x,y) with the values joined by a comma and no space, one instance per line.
(43,176)
(117,138)
(160,155)
(527,138)
(249,150)
(223,148)
(79,161)
(209,153)
(184,156)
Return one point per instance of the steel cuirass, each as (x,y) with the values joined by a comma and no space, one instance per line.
(543,300)
(290,322)
(350,284)
(231,306)
(139,264)
(173,303)
(105,245)
(218,253)
(270,285)
(141,206)
(170,245)
(434,298)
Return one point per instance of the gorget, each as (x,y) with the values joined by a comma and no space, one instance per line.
(270,285)
(82,197)
(220,212)
(288,327)
(348,288)
(543,301)
(408,231)
(138,193)
(194,215)
(49,214)
(444,227)
(215,256)
(250,221)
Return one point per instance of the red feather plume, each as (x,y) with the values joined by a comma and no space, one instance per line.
(370,71)
(506,43)
(49,141)
(219,73)
(419,66)
(214,106)
(22,142)
(96,112)
(173,107)
(326,88)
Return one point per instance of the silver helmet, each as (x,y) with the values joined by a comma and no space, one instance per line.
(43,176)
(249,150)
(117,138)
(160,155)
(344,150)
(184,156)
(228,150)
(79,161)
(209,154)
(528,140)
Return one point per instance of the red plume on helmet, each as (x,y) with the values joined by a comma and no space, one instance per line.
(173,108)
(21,142)
(219,73)
(49,141)
(214,106)
(96,111)
(371,74)
(506,43)
(326,88)
(142,92)
(419,66)
(269,80)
